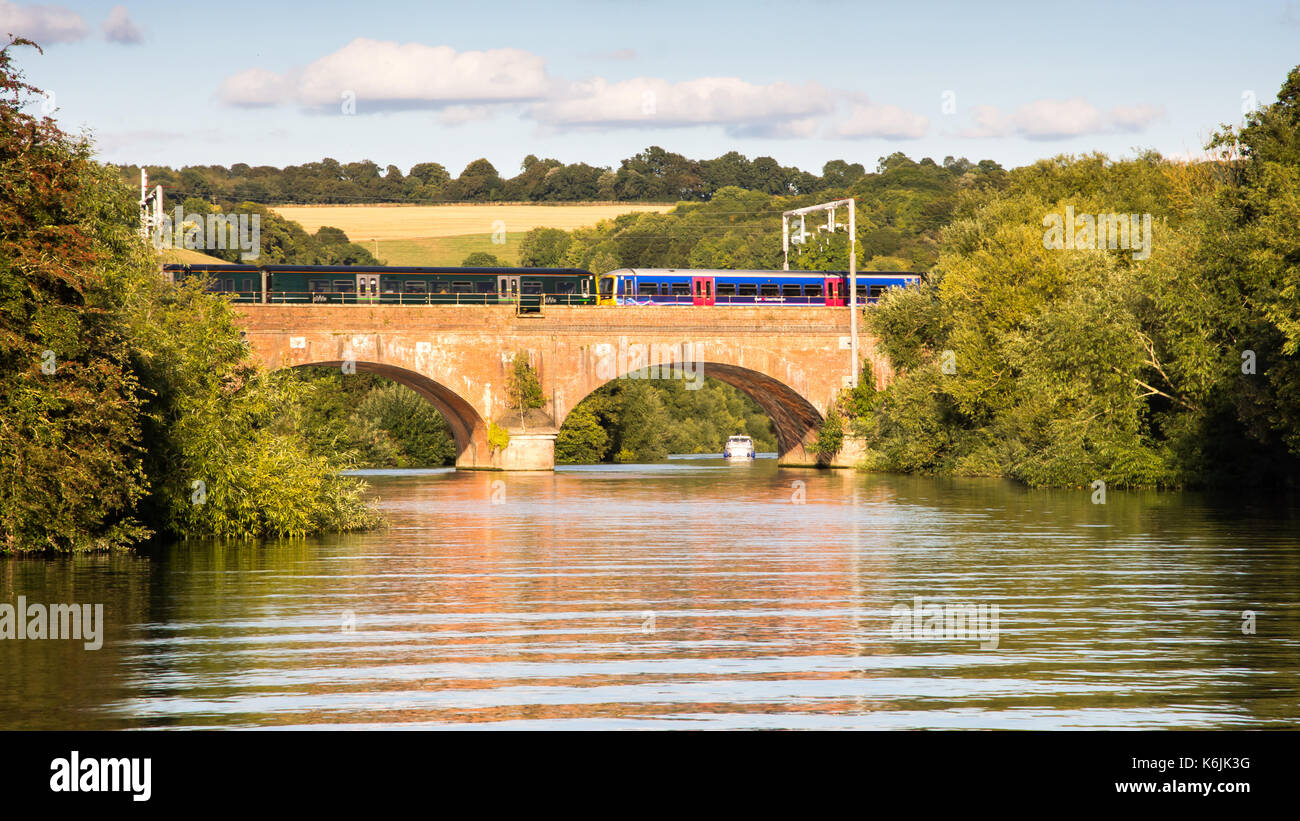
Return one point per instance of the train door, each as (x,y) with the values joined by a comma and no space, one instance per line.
(834,292)
(586,290)
(702,291)
(367,288)
(507,288)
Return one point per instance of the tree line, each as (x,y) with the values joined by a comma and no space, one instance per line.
(653,175)
(901,209)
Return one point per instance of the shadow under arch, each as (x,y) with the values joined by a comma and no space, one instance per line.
(467,427)
(795,419)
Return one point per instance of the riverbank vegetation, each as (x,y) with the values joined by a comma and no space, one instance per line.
(1062,366)
(128,406)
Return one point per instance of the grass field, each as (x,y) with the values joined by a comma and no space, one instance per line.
(366,222)
(446,234)
(444,250)
(184,256)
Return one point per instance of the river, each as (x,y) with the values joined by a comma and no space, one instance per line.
(691,594)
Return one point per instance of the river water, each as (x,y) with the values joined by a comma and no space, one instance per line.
(691,594)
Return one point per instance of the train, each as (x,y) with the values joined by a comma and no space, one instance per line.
(716,286)
(529,289)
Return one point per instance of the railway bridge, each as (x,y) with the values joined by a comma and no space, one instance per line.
(790,360)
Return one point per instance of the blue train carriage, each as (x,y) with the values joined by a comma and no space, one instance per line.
(685,286)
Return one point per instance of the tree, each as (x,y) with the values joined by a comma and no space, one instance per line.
(581,439)
(643,423)
(478,182)
(522,386)
(481,259)
(543,248)
(147,412)
(71,469)
(840,174)
(419,431)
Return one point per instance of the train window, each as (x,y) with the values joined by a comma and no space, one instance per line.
(681,289)
(606,286)
(566,286)
(862,289)
(812,289)
(439,287)
(748,289)
(531,286)
(486,286)
(875,291)
(246,285)
(318,286)
(769,289)
(647,289)
(726,289)
(462,287)
(389,285)
(417,286)
(790,290)
(345,286)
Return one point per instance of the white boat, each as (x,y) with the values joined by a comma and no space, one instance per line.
(738,447)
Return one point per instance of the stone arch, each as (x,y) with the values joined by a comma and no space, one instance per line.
(795,419)
(468,428)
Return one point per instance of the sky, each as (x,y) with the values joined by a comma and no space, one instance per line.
(594,81)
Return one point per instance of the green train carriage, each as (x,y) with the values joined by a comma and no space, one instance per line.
(529,288)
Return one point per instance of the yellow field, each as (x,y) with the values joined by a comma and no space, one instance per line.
(363,223)
(184,256)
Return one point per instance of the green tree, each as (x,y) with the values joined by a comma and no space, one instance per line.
(420,432)
(522,386)
(643,423)
(149,414)
(481,259)
(71,467)
(478,182)
(543,248)
(582,438)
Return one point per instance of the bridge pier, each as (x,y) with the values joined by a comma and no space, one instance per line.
(529,449)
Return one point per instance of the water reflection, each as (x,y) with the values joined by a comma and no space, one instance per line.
(521,600)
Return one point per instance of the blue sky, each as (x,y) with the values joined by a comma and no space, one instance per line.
(595,81)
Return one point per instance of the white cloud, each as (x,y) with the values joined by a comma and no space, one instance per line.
(42,24)
(1135,117)
(885,121)
(989,122)
(1049,119)
(254,87)
(118,28)
(745,109)
(388,75)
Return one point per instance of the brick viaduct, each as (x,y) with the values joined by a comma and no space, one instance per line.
(790,360)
